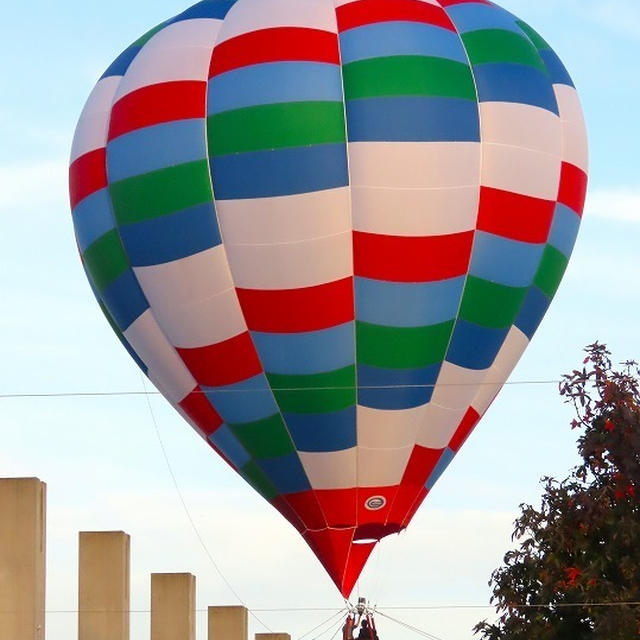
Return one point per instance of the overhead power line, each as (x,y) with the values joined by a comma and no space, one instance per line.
(109,394)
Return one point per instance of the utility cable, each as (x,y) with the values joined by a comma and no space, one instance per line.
(109,394)
(424,634)
(188,514)
(329,621)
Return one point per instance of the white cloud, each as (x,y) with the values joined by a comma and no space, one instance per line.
(621,204)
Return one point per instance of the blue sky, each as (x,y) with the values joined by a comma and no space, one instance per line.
(101,457)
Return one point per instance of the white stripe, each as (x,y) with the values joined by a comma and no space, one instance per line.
(380,429)
(93,126)
(333,470)
(284,218)
(382,467)
(510,353)
(414,165)
(456,386)
(202,323)
(165,366)
(185,281)
(439,426)
(181,51)
(292,265)
(253,15)
(521,125)
(521,170)
(574,133)
(415,212)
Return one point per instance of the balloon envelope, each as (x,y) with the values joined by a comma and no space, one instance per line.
(327,231)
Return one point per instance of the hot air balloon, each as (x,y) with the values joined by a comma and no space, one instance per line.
(327,230)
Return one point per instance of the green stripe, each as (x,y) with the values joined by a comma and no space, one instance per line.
(256,477)
(275,126)
(142,40)
(551,270)
(105,259)
(489,304)
(499,45)
(161,192)
(402,348)
(319,393)
(538,41)
(266,438)
(408,76)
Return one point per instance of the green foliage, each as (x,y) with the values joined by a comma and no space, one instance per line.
(578,555)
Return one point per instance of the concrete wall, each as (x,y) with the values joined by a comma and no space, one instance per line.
(103,586)
(228,623)
(173,606)
(22,558)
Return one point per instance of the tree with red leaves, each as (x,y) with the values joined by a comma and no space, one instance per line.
(575,574)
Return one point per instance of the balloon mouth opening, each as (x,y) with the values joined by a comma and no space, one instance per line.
(373,532)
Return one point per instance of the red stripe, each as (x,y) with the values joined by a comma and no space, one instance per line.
(420,465)
(448,3)
(356,14)
(293,310)
(197,406)
(411,259)
(306,507)
(275,45)
(339,506)
(573,187)
(515,216)
(466,426)
(157,103)
(87,175)
(224,363)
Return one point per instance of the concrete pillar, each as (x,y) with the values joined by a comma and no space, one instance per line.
(173,606)
(22,558)
(103,594)
(228,623)
(273,636)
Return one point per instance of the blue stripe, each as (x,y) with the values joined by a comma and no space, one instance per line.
(308,352)
(473,17)
(124,299)
(244,401)
(171,237)
(557,71)
(226,441)
(263,174)
(413,119)
(120,65)
(505,261)
(206,9)
(399,304)
(445,460)
(533,308)
(152,148)
(564,230)
(92,218)
(405,396)
(323,432)
(473,346)
(125,343)
(400,39)
(272,83)
(286,473)
(508,82)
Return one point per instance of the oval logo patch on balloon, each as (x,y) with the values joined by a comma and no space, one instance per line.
(327,231)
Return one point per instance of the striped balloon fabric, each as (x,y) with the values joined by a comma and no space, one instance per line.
(327,230)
